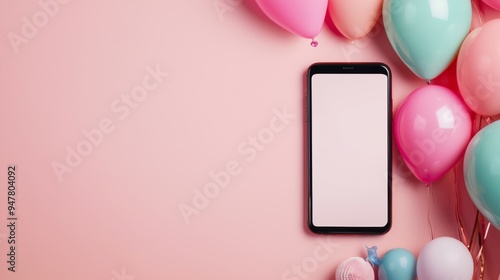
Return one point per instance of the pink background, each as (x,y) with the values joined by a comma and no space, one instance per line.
(116,215)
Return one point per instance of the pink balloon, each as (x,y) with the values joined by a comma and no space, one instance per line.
(432,129)
(355,19)
(478,69)
(302,17)
(493,3)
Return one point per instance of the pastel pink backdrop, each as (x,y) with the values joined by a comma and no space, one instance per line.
(116,214)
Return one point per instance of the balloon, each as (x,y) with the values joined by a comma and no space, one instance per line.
(493,3)
(482,172)
(448,78)
(354,268)
(444,258)
(432,128)
(427,34)
(355,19)
(397,264)
(302,17)
(478,69)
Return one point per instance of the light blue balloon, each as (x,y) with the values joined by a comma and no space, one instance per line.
(427,34)
(482,172)
(397,264)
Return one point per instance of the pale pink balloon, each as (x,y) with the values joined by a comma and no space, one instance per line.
(493,3)
(445,258)
(478,69)
(302,17)
(432,128)
(355,18)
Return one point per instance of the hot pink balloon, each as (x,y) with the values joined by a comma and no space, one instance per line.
(302,17)
(355,19)
(493,3)
(432,129)
(478,69)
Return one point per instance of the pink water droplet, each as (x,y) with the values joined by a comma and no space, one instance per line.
(314,43)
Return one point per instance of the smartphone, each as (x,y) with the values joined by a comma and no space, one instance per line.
(349,127)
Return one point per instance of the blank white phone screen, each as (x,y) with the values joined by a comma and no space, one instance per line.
(349,131)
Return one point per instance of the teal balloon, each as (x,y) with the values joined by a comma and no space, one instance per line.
(482,172)
(397,264)
(427,34)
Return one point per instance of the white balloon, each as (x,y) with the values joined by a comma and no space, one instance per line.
(445,258)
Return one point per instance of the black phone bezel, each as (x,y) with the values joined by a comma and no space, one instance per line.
(349,68)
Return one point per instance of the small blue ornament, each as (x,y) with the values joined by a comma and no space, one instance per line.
(372,255)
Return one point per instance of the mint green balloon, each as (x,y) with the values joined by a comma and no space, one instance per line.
(482,172)
(398,264)
(427,34)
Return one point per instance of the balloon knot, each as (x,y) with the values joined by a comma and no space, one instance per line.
(314,43)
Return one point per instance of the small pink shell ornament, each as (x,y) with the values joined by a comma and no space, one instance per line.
(355,268)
